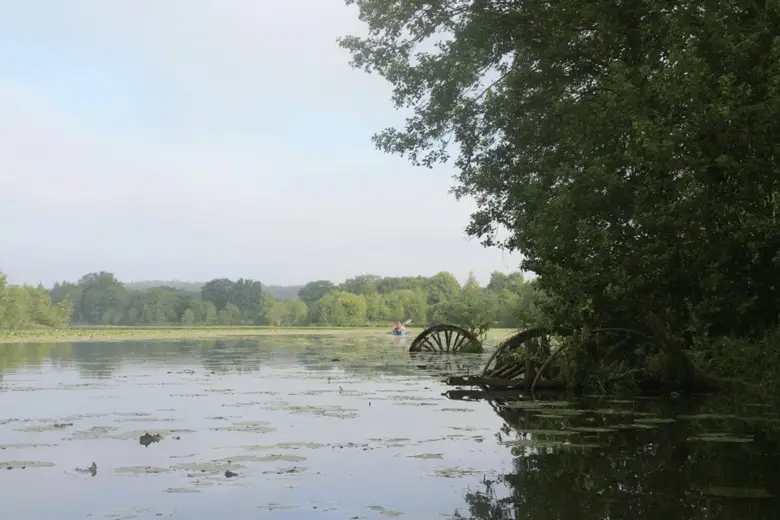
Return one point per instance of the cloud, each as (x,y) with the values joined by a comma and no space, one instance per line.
(195,139)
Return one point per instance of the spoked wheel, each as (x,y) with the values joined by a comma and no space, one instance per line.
(443,338)
(526,359)
(521,357)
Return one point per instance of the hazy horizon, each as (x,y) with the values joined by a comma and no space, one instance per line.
(230,142)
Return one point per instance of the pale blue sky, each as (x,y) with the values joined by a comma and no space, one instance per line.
(195,139)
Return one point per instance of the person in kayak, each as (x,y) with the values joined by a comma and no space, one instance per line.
(398,329)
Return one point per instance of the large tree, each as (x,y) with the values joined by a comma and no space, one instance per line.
(102,299)
(313,291)
(629,147)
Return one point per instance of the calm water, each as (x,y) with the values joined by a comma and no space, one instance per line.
(328,427)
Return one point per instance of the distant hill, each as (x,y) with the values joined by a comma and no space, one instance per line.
(280,292)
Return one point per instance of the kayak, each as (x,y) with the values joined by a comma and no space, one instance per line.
(399,333)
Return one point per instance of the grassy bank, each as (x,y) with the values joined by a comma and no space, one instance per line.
(196,333)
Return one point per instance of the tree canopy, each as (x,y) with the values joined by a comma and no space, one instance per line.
(629,148)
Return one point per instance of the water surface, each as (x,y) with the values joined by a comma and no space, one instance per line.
(329,427)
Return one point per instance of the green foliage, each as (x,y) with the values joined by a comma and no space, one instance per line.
(274,313)
(341,309)
(364,284)
(23,307)
(399,305)
(100,299)
(442,287)
(229,315)
(210,318)
(243,294)
(742,361)
(188,317)
(218,292)
(296,312)
(630,151)
(313,291)
(476,308)
(103,299)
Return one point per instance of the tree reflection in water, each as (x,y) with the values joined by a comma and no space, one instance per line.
(626,463)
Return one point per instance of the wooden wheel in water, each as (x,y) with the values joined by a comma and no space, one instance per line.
(526,359)
(520,359)
(443,338)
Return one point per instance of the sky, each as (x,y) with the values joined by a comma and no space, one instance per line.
(198,139)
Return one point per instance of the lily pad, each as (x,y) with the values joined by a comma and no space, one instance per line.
(706,416)
(427,456)
(537,404)
(276,457)
(45,427)
(592,429)
(456,472)
(291,470)
(560,412)
(761,420)
(384,512)
(215,466)
(182,490)
(654,420)
(273,506)
(519,448)
(635,426)
(247,426)
(285,446)
(323,411)
(96,432)
(134,435)
(722,437)
(141,470)
(736,492)
(25,445)
(550,433)
(24,464)
(613,411)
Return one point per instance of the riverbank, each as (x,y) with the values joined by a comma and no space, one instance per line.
(196,333)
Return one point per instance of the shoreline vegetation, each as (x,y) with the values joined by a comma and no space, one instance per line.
(99,305)
(181,333)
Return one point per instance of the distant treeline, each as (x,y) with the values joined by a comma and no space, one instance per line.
(101,299)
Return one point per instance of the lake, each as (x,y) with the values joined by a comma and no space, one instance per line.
(298,427)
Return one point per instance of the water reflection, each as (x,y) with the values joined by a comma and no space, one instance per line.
(290,426)
(699,458)
(298,427)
